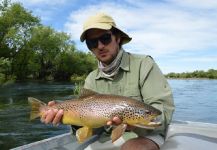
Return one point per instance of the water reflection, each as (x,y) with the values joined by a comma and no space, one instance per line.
(195,100)
(15,127)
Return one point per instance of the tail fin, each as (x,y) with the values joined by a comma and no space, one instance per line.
(35,107)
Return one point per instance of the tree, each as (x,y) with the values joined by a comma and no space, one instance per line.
(5,66)
(48,45)
(37,51)
(15,26)
(211,74)
(3,5)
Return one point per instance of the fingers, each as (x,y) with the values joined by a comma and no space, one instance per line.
(50,115)
(44,114)
(53,116)
(58,117)
(114,121)
(117,120)
(109,123)
(51,103)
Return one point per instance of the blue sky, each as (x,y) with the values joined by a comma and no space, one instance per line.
(181,35)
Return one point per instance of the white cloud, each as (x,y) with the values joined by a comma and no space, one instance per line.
(46,10)
(201,4)
(76,19)
(156,29)
(201,59)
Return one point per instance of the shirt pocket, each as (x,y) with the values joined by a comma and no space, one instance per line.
(133,92)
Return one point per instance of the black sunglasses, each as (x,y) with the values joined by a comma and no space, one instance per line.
(105,39)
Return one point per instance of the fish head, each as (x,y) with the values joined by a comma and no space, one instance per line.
(149,118)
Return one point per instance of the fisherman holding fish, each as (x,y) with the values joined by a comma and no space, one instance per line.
(122,73)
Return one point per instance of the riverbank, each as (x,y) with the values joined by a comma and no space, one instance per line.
(190,78)
(210,74)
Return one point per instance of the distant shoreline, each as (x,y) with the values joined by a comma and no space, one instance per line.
(191,78)
(198,74)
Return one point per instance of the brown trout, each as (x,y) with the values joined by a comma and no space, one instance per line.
(94,110)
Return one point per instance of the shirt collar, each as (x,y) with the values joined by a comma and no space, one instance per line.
(125,65)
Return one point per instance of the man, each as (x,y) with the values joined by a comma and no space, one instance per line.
(126,74)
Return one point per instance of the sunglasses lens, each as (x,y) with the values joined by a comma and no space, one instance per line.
(92,43)
(105,39)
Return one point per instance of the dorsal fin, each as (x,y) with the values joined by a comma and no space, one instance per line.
(86,92)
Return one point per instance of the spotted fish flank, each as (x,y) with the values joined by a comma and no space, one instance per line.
(94,110)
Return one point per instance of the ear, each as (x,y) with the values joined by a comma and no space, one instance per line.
(118,39)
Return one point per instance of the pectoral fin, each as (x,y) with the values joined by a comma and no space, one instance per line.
(118,132)
(83,133)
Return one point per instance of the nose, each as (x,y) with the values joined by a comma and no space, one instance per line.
(100,45)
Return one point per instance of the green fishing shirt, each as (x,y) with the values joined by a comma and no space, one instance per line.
(139,77)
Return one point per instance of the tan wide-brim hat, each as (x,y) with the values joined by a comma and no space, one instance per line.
(104,22)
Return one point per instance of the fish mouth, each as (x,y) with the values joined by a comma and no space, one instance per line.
(155,122)
(152,124)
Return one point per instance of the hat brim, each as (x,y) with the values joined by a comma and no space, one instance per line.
(125,37)
(103,26)
(106,26)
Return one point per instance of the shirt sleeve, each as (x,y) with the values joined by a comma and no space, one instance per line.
(90,81)
(156,91)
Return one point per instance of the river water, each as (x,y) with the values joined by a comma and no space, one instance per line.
(195,100)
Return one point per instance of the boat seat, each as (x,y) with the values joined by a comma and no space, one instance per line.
(189,141)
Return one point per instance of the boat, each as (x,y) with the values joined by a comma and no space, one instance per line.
(181,135)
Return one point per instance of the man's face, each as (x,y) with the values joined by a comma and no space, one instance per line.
(103,44)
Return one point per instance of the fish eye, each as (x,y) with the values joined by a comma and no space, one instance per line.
(148,112)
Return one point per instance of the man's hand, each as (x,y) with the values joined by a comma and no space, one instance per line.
(53,116)
(116,121)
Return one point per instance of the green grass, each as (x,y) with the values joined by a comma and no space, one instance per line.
(78,87)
